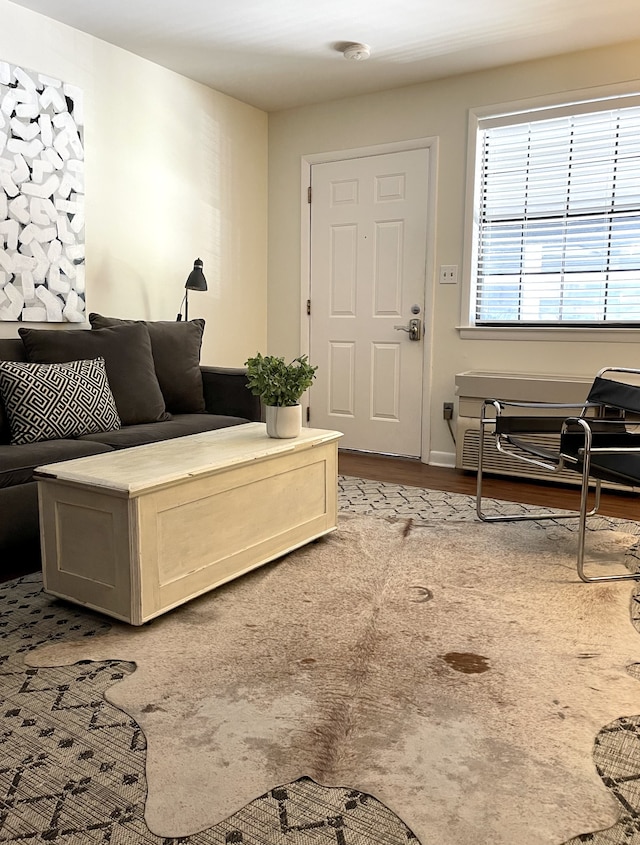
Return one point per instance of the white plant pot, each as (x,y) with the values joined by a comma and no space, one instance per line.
(285,421)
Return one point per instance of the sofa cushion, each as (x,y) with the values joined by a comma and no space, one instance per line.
(127,354)
(52,401)
(178,426)
(17,463)
(176,355)
(11,349)
(5,431)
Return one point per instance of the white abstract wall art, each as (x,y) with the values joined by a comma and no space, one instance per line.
(41,198)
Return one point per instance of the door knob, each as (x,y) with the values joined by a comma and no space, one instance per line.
(414,329)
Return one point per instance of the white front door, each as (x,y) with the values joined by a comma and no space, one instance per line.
(368,256)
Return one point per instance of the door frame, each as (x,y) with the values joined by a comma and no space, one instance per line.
(306,162)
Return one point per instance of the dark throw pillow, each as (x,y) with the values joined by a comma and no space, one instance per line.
(54,401)
(128,359)
(176,354)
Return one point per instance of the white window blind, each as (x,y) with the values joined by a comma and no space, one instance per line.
(558,219)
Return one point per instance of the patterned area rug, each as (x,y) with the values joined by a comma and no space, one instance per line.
(72,766)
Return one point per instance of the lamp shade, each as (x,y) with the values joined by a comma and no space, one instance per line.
(196,279)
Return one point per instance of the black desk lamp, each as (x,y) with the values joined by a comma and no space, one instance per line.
(195,281)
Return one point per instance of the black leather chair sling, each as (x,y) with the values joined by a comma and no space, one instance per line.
(599,440)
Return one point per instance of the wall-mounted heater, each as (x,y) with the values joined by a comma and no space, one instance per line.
(472,388)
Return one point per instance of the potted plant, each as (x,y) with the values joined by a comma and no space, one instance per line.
(280,386)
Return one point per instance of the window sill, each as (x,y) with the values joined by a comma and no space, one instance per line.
(564,333)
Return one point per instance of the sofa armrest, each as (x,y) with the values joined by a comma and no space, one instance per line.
(225,392)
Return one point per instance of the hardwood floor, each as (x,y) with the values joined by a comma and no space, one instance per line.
(416,474)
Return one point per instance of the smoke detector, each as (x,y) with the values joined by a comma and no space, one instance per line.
(357,52)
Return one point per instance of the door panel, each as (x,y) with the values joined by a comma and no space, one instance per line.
(368,256)
(385,381)
(342,376)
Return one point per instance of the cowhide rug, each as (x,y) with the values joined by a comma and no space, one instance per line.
(459,673)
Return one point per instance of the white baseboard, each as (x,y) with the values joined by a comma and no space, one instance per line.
(442,459)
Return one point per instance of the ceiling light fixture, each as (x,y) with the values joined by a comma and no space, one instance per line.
(357,52)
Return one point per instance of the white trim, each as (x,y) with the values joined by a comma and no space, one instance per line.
(561,333)
(305,273)
(442,459)
(597,96)
(306,162)
(366,152)
(470,219)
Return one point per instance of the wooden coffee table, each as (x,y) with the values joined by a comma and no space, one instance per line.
(136,532)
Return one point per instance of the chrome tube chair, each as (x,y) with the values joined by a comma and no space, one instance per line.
(598,441)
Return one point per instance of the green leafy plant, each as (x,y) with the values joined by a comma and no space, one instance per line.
(276,382)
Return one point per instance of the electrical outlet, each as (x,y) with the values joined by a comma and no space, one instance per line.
(448,274)
(447,410)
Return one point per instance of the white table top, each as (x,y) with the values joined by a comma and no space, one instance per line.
(142,468)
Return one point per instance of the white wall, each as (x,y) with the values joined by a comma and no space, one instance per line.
(432,109)
(174,171)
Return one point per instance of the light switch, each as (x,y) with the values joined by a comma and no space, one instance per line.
(448,274)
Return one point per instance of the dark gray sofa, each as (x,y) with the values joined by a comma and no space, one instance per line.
(227,402)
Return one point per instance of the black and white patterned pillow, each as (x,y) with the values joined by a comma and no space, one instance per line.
(52,401)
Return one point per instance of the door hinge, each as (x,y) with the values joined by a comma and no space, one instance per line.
(308,413)
(309,194)
(308,307)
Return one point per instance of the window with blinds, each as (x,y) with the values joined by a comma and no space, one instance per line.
(557,214)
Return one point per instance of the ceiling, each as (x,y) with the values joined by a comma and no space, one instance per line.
(276,54)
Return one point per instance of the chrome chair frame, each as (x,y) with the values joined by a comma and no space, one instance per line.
(590,420)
